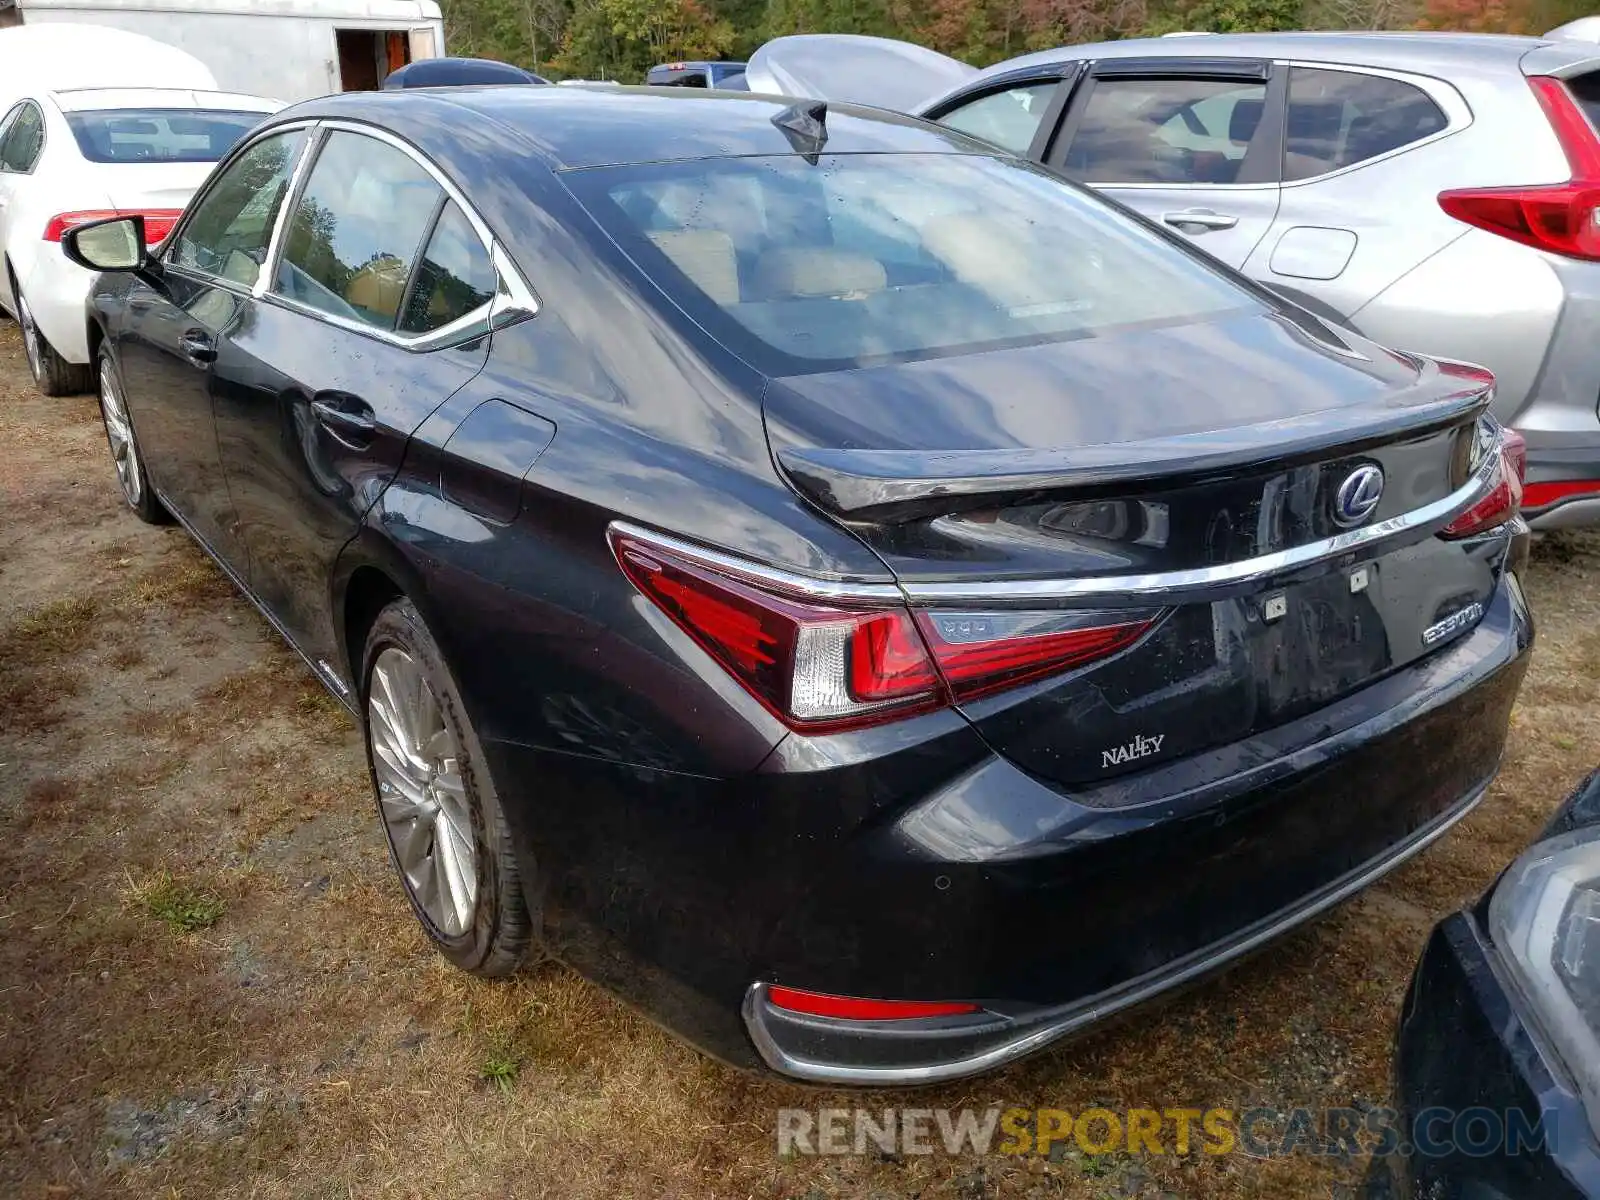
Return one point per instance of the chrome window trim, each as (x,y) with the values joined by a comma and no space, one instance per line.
(1457,112)
(291,197)
(1159,586)
(521,300)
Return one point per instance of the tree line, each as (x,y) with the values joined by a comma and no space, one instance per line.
(621,39)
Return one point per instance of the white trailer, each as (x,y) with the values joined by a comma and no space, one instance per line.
(287,49)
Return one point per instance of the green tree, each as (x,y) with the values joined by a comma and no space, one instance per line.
(622,39)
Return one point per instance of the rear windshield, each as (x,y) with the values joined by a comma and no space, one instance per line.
(159,134)
(866,258)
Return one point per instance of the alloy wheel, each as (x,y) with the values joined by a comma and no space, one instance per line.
(421,792)
(119,432)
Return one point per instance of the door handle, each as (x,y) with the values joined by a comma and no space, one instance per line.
(1203,217)
(199,347)
(349,419)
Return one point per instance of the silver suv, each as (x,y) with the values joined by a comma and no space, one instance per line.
(1438,192)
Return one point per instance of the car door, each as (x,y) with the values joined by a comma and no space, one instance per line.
(1358,208)
(166,349)
(1194,144)
(21,144)
(377,312)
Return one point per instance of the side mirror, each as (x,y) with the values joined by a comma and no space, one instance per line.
(113,245)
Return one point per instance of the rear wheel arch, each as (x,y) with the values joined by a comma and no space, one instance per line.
(367,592)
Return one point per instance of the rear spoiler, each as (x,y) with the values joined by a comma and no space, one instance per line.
(907,485)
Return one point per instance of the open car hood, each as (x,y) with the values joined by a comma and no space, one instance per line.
(854,69)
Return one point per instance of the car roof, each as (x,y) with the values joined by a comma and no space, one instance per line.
(1400,50)
(591,126)
(89,99)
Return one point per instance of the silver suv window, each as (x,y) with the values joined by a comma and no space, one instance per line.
(1007,119)
(1166,131)
(1339,118)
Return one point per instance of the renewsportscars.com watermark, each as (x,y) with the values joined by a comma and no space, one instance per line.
(1256,1132)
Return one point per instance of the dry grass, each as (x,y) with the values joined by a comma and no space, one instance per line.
(211,987)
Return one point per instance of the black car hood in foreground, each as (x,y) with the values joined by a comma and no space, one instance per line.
(1178,402)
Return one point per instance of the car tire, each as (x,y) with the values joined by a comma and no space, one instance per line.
(447,834)
(126,457)
(52,374)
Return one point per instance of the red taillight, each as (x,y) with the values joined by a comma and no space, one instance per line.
(825,667)
(980,653)
(849,1008)
(158,222)
(1504,500)
(1557,217)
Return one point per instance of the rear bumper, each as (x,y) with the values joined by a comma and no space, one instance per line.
(1052,916)
(58,294)
(826,1050)
(1563,488)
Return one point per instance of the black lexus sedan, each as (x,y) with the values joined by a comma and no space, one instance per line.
(869,602)
(1497,1069)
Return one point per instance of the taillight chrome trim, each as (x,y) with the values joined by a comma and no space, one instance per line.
(1163,585)
(838,590)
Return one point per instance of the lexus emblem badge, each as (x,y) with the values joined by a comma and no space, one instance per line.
(1358,495)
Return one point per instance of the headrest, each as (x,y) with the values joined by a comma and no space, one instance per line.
(815,271)
(706,256)
(1245,119)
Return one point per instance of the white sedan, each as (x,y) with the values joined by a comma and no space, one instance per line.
(71,156)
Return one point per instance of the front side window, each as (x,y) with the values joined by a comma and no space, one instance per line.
(228,233)
(1165,131)
(356,230)
(1007,119)
(1339,118)
(878,257)
(24,140)
(159,135)
(454,278)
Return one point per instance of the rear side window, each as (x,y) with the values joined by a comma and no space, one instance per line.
(24,140)
(356,230)
(1585,90)
(159,135)
(1007,119)
(455,277)
(880,257)
(1166,131)
(1339,118)
(228,232)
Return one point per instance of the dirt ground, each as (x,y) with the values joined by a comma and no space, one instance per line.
(210,985)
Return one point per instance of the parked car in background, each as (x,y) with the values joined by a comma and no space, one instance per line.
(1436,192)
(1497,1069)
(82,154)
(726,75)
(764,566)
(459,72)
(288,49)
(47,57)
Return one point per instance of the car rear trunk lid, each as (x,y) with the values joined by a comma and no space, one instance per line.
(1112,478)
